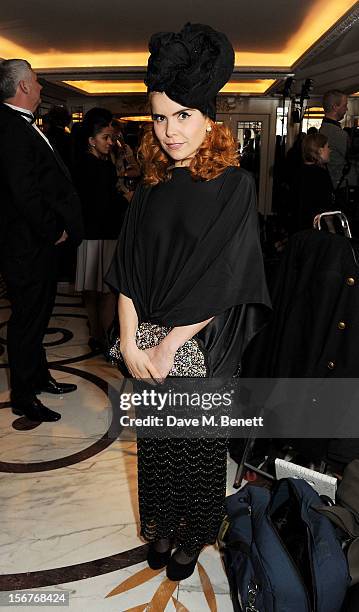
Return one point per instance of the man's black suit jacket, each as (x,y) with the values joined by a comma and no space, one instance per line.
(37,197)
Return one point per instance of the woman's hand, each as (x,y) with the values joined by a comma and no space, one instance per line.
(139,363)
(316,221)
(161,358)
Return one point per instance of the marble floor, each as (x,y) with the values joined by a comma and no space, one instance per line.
(69,515)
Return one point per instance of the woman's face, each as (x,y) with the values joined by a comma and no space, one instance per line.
(324,153)
(179,130)
(101,143)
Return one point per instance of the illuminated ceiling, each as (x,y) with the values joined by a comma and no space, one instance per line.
(117,87)
(320,16)
(76,36)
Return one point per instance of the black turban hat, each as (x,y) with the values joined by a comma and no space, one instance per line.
(191,66)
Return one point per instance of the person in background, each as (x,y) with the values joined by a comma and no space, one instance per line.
(103,211)
(45,125)
(58,132)
(353,155)
(294,160)
(79,143)
(312,187)
(40,212)
(55,125)
(335,104)
(247,152)
(125,162)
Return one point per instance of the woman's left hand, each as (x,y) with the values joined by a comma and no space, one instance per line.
(162,358)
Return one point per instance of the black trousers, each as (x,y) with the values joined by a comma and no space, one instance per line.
(31,287)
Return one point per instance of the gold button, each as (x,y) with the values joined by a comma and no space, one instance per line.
(350,281)
(331,365)
(341,325)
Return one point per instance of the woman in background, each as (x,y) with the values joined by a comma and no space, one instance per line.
(313,190)
(103,212)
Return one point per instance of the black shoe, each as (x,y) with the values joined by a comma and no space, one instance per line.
(180,571)
(157,560)
(56,388)
(36,411)
(95,345)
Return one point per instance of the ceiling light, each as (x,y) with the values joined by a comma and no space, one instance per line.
(136,118)
(120,87)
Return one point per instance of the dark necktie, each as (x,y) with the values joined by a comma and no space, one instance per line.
(29,116)
(31,119)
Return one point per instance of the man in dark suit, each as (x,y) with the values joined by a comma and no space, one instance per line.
(39,211)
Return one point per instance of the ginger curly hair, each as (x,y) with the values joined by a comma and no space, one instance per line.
(217,152)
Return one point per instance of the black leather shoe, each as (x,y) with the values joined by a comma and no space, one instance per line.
(56,388)
(36,411)
(157,560)
(94,344)
(180,571)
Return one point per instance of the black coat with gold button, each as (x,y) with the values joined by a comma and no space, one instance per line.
(314,330)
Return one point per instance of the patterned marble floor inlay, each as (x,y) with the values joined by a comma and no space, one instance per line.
(68,492)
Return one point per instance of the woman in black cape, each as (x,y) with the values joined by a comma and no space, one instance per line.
(188,266)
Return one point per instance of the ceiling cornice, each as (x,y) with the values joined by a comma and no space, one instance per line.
(303,67)
(338,29)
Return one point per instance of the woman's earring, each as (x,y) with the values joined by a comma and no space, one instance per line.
(208,128)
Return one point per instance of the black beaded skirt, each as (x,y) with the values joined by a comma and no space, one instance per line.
(181,481)
(182,489)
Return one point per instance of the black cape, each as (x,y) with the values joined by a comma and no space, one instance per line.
(189,250)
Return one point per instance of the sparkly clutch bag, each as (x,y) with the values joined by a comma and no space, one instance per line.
(190,359)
